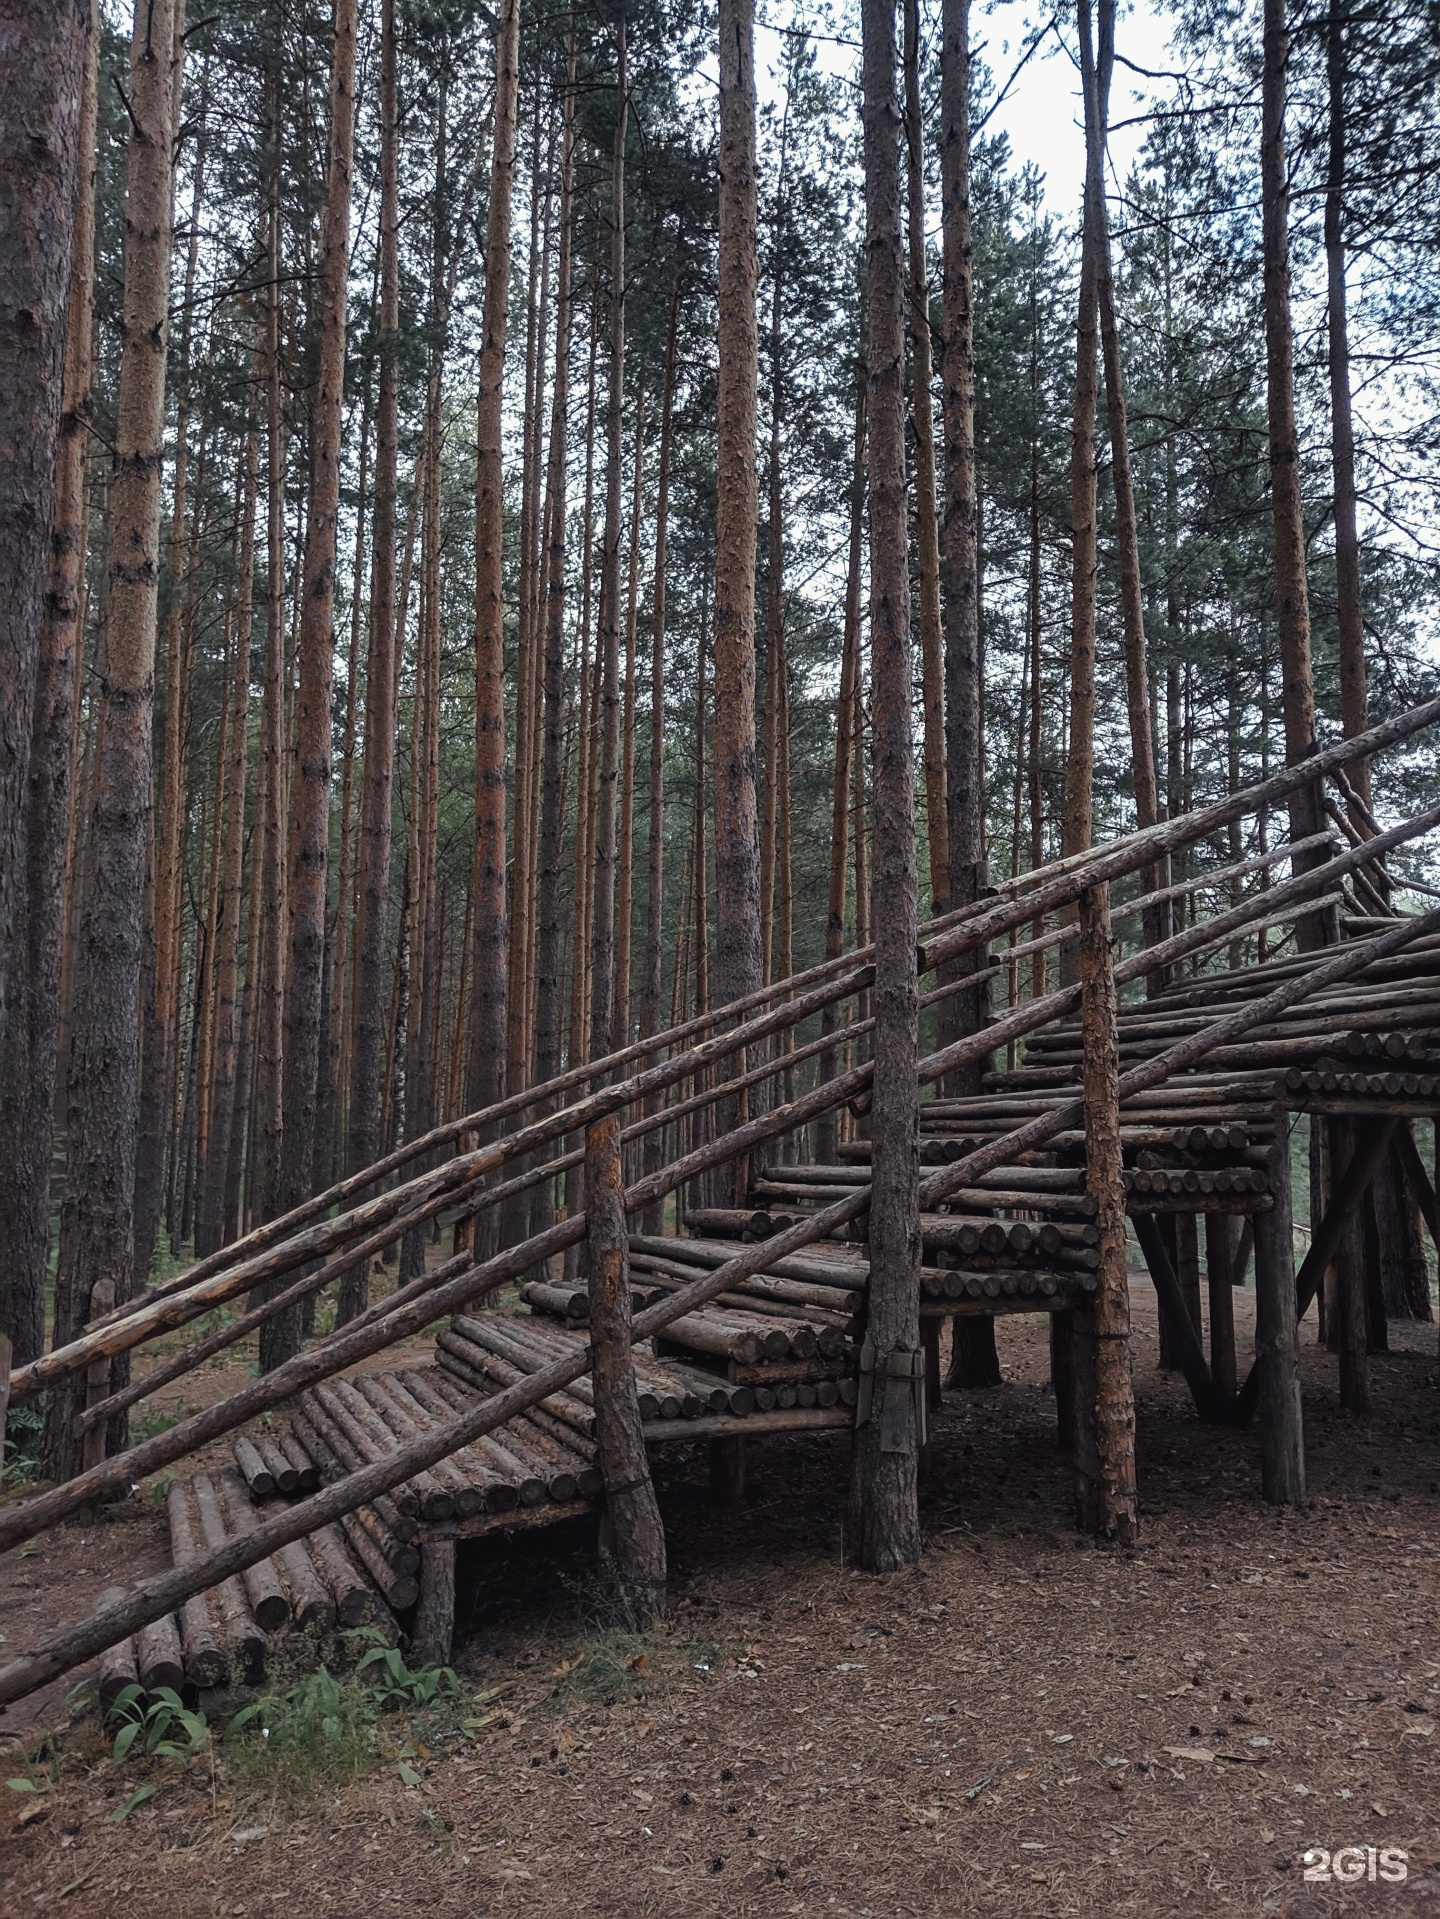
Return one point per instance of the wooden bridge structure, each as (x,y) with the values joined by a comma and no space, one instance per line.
(715,1284)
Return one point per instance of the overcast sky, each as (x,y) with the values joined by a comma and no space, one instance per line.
(1041,112)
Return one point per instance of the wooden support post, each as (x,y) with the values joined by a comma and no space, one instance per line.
(1349,1260)
(1062,1379)
(727,1472)
(1166,1310)
(974,1360)
(1105,1487)
(1187,1265)
(464,1240)
(1277,1350)
(1219,1239)
(1081,1429)
(435,1616)
(633,1535)
(930,1340)
(97,1378)
(1244,1253)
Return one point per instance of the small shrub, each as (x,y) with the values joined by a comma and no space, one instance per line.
(163,1729)
(395,1685)
(24,1438)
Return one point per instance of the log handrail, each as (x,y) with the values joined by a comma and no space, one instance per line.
(1058,883)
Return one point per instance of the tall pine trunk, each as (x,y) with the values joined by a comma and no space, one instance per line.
(960,560)
(552,809)
(886,1520)
(42,64)
(737,847)
(927,536)
(827,1133)
(378,770)
(1354,703)
(602,923)
(210,1231)
(1292,595)
(96,1230)
(310,792)
(30,1000)
(487,891)
(161,1014)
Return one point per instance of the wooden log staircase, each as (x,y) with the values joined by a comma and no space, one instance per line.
(746,1311)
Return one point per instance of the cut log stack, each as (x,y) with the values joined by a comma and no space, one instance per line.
(780,1343)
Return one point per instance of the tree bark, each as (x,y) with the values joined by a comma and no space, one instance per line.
(633,1537)
(1349,612)
(602,923)
(32,918)
(42,64)
(487,891)
(264,1187)
(886,1524)
(1106,1504)
(737,844)
(378,772)
(651,1009)
(552,813)
(96,1230)
(927,536)
(827,1137)
(960,559)
(210,1232)
(1096,81)
(1077,832)
(161,1012)
(625,860)
(1292,597)
(310,791)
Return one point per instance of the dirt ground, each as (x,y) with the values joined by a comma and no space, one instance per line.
(1024,1724)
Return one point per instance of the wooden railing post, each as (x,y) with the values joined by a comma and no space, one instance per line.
(1220,1237)
(464,1240)
(97,1377)
(1105,1466)
(1277,1348)
(632,1535)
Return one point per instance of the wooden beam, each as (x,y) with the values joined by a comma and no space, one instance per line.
(1277,1353)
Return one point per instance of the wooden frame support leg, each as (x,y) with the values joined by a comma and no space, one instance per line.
(435,1618)
(1349,1258)
(632,1534)
(930,1340)
(1219,1240)
(727,1472)
(1105,1487)
(1187,1266)
(1062,1379)
(1277,1352)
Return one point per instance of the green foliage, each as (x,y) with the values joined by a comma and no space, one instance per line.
(327,1729)
(394,1684)
(161,1728)
(24,1434)
(127,1806)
